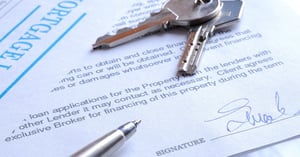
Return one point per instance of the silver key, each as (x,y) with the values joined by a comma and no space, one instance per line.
(230,13)
(174,13)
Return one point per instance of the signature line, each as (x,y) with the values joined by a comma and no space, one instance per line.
(246,130)
(43,54)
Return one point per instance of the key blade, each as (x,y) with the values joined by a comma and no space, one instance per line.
(231,12)
(193,50)
(155,23)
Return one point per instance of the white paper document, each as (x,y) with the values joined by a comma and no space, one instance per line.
(57,95)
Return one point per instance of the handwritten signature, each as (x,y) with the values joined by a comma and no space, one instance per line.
(242,106)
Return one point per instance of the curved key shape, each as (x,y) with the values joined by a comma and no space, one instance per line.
(188,13)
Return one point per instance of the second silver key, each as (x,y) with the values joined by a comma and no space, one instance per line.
(230,13)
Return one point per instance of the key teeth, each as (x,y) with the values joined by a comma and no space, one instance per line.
(100,42)
(96,46)
(123,30)
(143,28)
(104,37)
(118,32)
(108,35)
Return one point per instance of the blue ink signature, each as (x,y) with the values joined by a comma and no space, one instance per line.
(242,106)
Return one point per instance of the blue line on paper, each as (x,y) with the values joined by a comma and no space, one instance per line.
(21,22)
(42,55)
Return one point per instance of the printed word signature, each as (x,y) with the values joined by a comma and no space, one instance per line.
(239,112)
